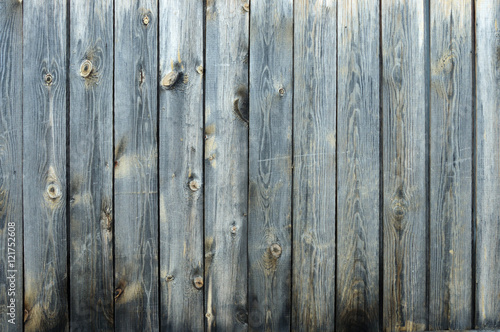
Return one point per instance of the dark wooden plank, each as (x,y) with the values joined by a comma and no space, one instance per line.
(358,298)
(135,165)
(91,166)
(404,45)
(451,165)
(270,165)
(44,165)
(313,275)
(181,165)
(226,164)
(11,214)
(488,164)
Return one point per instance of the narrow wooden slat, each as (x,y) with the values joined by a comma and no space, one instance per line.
(181,165)
(313,278)
(11,215)
(404,43)
(44,165)
(488,164)
(358,297)
(451,165)
(91,165)
(135,165)
(226,164)
(270,164)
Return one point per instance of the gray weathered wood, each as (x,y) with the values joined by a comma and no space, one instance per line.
(226,164)
(91,166)
(358,298)
(404,45)
(135,165)
(11,212)
(44,165)
(450,297)
(488,164)
(270,164)
(313,275)
(181,165)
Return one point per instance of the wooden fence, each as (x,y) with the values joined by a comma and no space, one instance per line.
(272,165)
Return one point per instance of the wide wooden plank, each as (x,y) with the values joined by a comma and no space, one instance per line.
(44,165)
(11,211)
(91,166)
(450,299)
(226,164)
(404,47)
(487,163)
(313,275)
(358,116)
(270,164)
(181,165)
(135,165)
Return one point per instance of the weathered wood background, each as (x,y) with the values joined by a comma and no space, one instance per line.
(227,165)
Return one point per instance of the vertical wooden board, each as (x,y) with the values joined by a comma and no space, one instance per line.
(226,164)
(404,44)
(451,165)
(135,165)
(91,165)
(314,136)
(181,165)
(488,163)
(270,164)
(11,220)
(358,191)
(44,165)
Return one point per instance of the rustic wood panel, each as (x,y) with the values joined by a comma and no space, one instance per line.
(313,275)
(226,164)
(135,165)
(404,47)
(451,165)
(358,140)
(44,165)
(270,164)
(488,164)
(91,166)
(11,214)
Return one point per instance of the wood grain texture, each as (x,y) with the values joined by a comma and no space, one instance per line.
(135,165)
(44,165)
(91,166)
(314,123)
(487,163)
(358,298)
(181,165)
(11,214)
(226,164)
(404,41)
(270,164)
(451,165)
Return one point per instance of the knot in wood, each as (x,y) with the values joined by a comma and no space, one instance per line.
(246,7)
(281,91)
(199,69)
(118,292)
(169,80)
(86,68)
(194,185)
(53,191)
(145,20)
(276,250)
(170,278)
(198,282)
(48,79)
(233,230)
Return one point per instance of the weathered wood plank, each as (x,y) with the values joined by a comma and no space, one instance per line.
(226,164)
(44,166)
(313,275)
(404,45)
(358,117)
(451,165)
(11,212)
(270,164)
(91,166)
(181,165)
(135,165)
(487,163)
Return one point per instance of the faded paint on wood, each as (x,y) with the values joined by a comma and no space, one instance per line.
(226,165)
(135,165)
(314,137)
